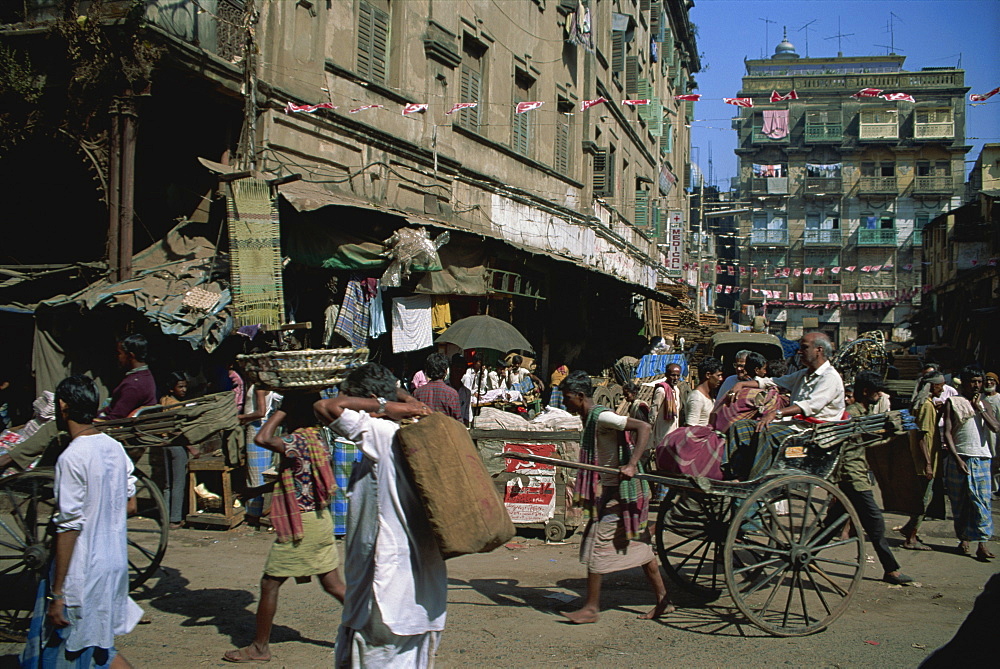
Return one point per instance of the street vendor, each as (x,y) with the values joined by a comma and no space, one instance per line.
(616,538)
(817,392)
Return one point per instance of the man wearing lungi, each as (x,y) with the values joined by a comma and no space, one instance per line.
(616,538)
(817,392)
(967,463)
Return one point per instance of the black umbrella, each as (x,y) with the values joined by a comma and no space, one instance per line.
(484,332)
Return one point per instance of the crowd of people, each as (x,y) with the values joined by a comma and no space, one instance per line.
(392,579)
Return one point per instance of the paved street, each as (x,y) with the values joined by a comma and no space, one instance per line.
(503,612)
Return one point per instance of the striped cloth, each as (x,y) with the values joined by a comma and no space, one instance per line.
(556,398)
(355,315)
(655,365)
(46,646)
(258,460)
(970,498)
(345,455)
(749,453)
(304,481)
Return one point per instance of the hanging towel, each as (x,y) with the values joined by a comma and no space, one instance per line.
(411,323)
(440,313)
(776,123)
(376,328)
(354,316)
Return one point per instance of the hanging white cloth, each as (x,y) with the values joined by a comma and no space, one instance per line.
(411,323)
(376,327)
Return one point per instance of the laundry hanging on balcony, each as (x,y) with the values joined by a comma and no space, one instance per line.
(776,123)
(823,171)
(762,171)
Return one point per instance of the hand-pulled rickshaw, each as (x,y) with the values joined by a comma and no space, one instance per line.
(27,499)
(788,546)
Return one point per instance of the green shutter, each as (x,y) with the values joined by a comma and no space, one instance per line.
(656,19)
(617,51)
(520,131)
(641,209)
(599,180)
(655,117)
(373,43)
(561,163)
(469,118)
(658,215)
(632,76)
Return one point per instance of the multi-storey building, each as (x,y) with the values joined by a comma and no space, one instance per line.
(840,180)
(543,206)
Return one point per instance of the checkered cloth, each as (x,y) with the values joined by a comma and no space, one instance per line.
(556,398)
(345,454)
(970,498)
(749,453)
(258,460)
(440,397)
(355,315)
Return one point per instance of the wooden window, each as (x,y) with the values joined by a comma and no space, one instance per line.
(373,42)
(617,51)
(472,87)
(563,137)
(641,218)
(632,76)
(872,169)
(520,126)
(603,179)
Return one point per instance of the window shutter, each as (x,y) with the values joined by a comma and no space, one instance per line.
(562,146)
(655,117)
(644,5)
(469,118)
(600,175)
(658,216)
(617,51)
(373,43)
(520,133)
(655,19)
(641,219)
(632,76)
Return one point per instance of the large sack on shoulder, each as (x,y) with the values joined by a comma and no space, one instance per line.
(461,500)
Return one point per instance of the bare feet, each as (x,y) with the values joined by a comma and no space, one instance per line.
(662,607)
(249,654)
(581,616)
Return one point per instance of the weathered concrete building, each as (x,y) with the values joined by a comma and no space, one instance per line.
(842,179)
(540,204)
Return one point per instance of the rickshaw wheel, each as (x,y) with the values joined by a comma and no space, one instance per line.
(690,532)
(791,562)
(148,531)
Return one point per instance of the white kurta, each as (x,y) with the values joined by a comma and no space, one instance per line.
(93,483)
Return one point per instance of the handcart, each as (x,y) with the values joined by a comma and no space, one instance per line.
(788,546)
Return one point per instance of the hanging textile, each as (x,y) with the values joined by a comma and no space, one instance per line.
(763,171)
(255,253)
(578,28)
(440,313)
(354,316)
(411,323)
(376,328)
(776,123)
(824,171)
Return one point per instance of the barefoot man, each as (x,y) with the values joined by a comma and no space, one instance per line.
(616,538)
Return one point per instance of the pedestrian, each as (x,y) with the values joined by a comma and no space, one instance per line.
(437,394)
(700,401)
(83,602)
(138,388)
(456,372)
(926,458)
(967,464)
(258,407)
(991,396)
(853,479)
(667,404)
(616,538)
(559,374)
(637,408)
(397,582)
(304,546)
(175,458)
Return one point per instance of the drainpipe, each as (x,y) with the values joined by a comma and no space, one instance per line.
(129,122)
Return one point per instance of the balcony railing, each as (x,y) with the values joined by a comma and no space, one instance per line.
(781,288)
(884,185)
(824,132)
(934,130)
(879,131)
(815,237)
(880,237)
(758,137)
(823,185)
(935,185)
(769,237)
(769,185)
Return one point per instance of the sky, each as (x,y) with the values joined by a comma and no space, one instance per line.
(930,33)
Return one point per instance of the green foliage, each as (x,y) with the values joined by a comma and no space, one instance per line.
(20,91)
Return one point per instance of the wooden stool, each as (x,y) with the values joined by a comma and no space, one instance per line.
(216,475)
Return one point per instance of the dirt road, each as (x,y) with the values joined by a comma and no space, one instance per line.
(503,606)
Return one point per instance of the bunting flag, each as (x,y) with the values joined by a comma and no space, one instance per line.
(982,98)
(364,107)
(739,102)
(461,105)
(696,97)
(635,103)
(807,271)
(414,108)
(820,271)
(778,97)
(867,93)
(898,97)
(527,106)
(850,268)
(834,270)
(587,104)
(797,272)
(309,109)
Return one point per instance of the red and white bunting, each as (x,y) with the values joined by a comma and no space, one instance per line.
(778,97)
(461,105)
(898,97)
(807,271)
(635,103)
(850,268)
(797,272)
(867,93)
(834,270)
(527,106)
(820,271)
(414,108)
(739,102)
(973,97)
(692,97)
(364,107)
(309,109)
(587,104)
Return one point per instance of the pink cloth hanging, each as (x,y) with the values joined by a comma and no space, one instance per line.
(776,123)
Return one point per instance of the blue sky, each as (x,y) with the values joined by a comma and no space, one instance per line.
(930,33)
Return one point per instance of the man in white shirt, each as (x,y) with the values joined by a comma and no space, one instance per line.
(700,403)
(740,375)
(397,582)
(88,601)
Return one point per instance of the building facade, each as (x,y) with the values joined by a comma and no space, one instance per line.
(839,178)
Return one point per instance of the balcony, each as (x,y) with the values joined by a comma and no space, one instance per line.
(758,137)
(934,130)
(769,186)
(769,237)
(933,187)
(882,237)
(879,131)
(781,288)
(815,237)
(820,186)
(821,291)
(817,133)
(877,186)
